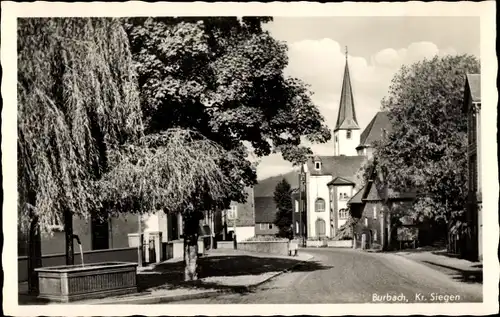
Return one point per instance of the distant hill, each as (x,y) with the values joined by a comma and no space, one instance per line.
(265,187)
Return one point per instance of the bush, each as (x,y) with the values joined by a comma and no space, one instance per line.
(266,238)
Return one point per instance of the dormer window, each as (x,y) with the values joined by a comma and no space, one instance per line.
(348,135)
(317,165)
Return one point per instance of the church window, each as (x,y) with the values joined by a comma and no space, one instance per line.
(318,165)
(296,205)
(270,226)
(366,222)
(297,228)
(374,212)
(348,134)
(320,205)
(374,235)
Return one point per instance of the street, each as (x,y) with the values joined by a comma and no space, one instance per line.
(352,276)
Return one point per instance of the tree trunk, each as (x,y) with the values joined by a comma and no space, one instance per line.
(34,255)
(191,226)
(68,233)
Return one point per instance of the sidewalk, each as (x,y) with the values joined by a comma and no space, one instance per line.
(439,259)
(221,271)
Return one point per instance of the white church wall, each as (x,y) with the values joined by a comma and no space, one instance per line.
(317,188)
(345,146)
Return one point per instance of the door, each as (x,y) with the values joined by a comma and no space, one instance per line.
(320,228)
(100,233)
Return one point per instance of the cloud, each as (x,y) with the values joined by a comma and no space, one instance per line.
(320,63)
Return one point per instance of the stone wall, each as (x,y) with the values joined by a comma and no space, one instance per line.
(272,247)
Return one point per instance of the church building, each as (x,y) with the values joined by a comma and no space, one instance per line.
(330,181)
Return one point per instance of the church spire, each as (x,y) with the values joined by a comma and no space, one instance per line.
(346,118)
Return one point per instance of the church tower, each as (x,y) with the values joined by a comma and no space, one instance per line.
(347,132)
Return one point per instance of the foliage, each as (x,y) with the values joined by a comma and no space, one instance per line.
(283,200)
(176,170)
(77,101)
(223,77)
(426,150)
(345,231)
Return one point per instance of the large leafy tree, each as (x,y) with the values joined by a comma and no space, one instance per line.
(284,214)
(426,150)
(77,100)
(223,77)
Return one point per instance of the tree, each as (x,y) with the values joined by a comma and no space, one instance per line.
(223,78)
(172,171)
(77,100)
(283,200)
(426,150)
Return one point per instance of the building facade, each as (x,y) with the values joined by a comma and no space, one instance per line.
(239,218)
(472,107)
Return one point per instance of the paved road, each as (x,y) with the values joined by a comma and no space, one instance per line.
(351,276)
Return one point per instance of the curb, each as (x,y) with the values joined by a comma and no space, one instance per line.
(152,299)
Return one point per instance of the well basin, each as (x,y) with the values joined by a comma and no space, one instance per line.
(69,283)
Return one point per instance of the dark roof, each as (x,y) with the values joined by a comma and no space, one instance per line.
(373,193)
(472,90)
(356,199)
(341,181)
(265,210)
(346,118)
(266,187)
(374,131)
(337,166)
(474,83)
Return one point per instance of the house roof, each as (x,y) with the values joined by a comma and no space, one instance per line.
(472,90)
(266,187)
(265,210)
(373,193)
(346,118)
(356,199)
(341,181)
(474,84)
(337,166)
(374,131)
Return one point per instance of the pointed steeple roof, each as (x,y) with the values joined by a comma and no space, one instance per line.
(346,118)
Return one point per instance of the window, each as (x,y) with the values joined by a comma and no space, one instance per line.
(374,235)
(317,165)
(343,213)
(320,227)
(320,205)
(262,226)
(297,228)
(232,213)
(348,134)
(296,205)
(270,226)
(374,212)
(366,222)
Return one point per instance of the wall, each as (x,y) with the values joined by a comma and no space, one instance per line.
(272,247)
(119,228)
(317,188)
(265,230)
(340,244)
(243,233)
(344,146)
(109,255)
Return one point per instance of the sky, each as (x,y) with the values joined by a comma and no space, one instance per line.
(377,47)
